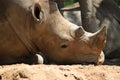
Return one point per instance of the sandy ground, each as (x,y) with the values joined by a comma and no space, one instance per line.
(59,72)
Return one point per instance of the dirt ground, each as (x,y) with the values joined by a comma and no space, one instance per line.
(59,72)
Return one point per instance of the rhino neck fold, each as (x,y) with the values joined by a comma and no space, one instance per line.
(20,32)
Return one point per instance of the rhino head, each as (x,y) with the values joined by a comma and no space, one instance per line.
(63,42)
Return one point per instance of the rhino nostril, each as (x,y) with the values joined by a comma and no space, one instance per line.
(64,45)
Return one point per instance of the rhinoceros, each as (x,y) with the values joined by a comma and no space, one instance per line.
(103,12)
(33,31)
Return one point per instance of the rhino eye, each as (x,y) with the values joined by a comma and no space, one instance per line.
(64,45)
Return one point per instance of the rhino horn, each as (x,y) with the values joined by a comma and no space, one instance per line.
(98,38)
(79,32)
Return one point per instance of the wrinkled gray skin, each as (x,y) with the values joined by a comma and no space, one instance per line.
(108,14)
(33,31)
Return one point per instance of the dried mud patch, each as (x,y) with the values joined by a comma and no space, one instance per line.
(59,72)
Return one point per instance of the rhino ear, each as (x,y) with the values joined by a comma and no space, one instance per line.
(37,12)
(98,39)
